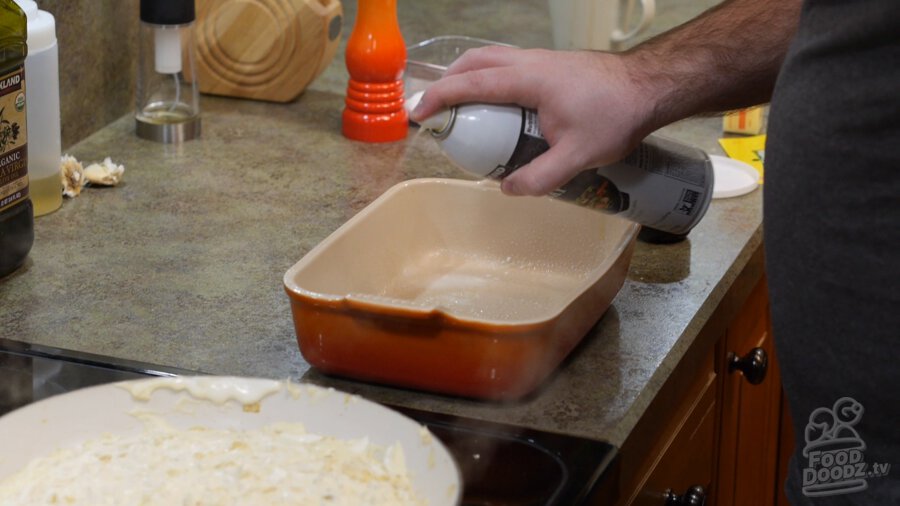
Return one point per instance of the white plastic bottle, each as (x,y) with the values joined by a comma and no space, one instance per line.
(663,184)
(44,145)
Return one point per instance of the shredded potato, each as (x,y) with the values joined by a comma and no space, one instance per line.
(280,464)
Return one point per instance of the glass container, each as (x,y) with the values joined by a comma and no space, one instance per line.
(168,103)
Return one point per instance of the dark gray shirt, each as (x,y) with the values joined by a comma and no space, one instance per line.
(832,235)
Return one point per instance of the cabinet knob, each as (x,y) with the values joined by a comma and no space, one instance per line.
(695,496)
(754,365)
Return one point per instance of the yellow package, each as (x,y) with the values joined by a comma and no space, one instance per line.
(751,150)
(745,121)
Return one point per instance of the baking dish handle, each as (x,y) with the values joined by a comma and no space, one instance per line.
(386,306)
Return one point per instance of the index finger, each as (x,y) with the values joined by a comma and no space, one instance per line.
(495,85)
(485,57)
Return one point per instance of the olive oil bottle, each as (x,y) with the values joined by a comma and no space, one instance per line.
(16,210)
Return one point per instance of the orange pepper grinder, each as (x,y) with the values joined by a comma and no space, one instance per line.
(375,58)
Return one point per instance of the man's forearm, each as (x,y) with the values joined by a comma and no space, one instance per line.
(726,58)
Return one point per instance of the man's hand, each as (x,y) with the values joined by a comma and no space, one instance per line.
(595,107)
(589,112)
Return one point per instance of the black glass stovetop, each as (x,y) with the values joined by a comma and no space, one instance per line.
(501,465)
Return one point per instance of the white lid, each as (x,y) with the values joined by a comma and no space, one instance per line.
(732,177)
(436,122)
(41,26)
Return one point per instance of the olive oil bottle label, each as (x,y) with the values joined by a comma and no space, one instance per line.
(13,152)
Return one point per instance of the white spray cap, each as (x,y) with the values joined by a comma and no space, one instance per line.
(436,122)
(167,49)
(41,26)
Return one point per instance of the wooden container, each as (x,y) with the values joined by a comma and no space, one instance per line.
(265,49)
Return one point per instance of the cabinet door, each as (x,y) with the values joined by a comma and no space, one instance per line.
(688,459)
(749,437)
(672,448)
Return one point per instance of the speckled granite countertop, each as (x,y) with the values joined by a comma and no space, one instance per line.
(182,264)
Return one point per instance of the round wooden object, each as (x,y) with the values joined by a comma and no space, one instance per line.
(265,49)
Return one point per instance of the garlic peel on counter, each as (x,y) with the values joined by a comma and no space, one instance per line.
(75,175)
(106,173)
(72,176)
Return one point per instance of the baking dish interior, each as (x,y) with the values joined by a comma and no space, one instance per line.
(464,249)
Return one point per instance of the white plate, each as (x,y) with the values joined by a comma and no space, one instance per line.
(732,177)
(40,428)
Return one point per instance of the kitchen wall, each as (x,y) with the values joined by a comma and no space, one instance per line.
(97,53)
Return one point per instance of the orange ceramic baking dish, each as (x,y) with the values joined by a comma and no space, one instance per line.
(450,286)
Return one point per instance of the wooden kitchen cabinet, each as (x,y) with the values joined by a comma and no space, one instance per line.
(688,459)
(675,447)
(672,447)
(717,423)
(751,408)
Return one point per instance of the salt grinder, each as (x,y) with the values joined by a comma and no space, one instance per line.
(168,106)
(376,59)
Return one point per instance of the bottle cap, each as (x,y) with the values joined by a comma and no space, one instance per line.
(41,26)
(28,6)
(167,12)
(437,122)
(732,178)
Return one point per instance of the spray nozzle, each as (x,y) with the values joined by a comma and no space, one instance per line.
(167,49)
(437,122)
(167,18)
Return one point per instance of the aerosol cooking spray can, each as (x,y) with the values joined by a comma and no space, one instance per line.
(663,184)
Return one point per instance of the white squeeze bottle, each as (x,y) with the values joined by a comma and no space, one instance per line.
(42,122)
(664,185)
